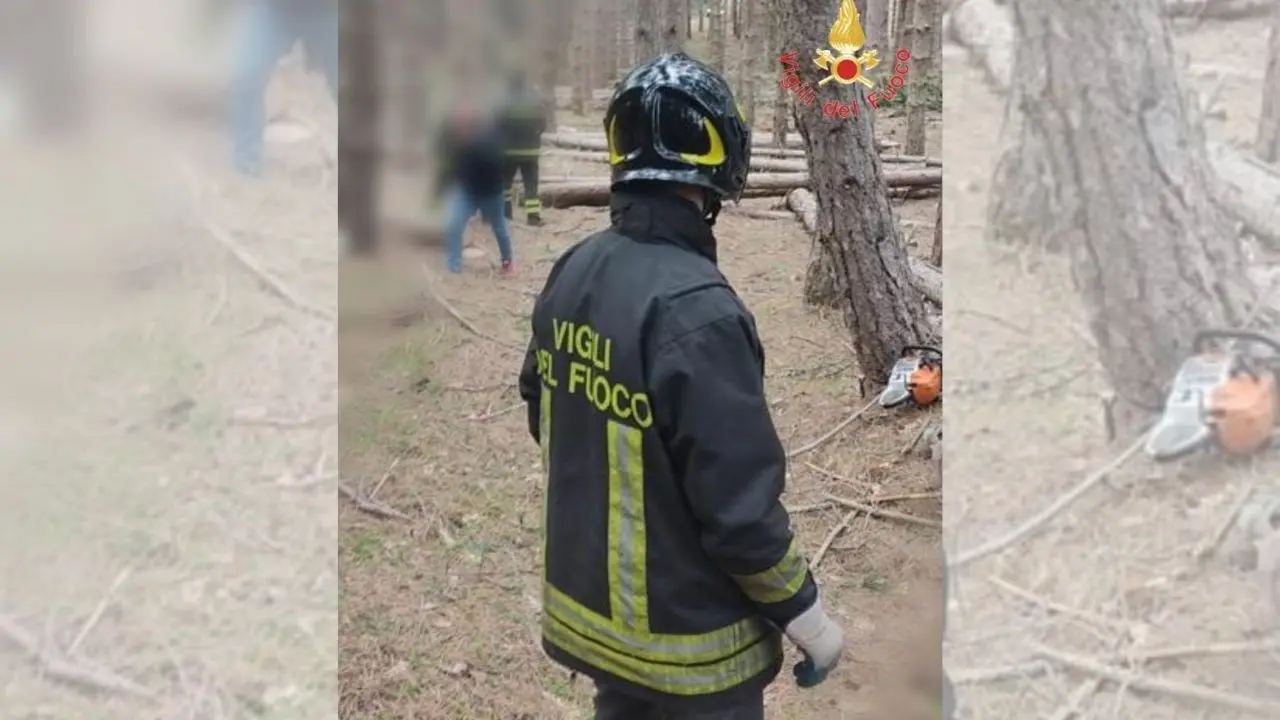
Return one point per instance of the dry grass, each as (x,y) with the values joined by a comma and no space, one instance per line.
(1113,577)
(164,517)
(439,613)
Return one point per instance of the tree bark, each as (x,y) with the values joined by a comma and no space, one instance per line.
(672,34)
(1153,254)
(1269,125)
(877,25)
(902,29)
(359,142)
(756,47)
(925,22)
(935,253)
(856,228)
(781,97)
(646,30)
(716,31)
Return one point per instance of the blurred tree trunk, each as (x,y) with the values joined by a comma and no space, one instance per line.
(781,98)
(688,18)
(584,33)
(646,30)
(755,49)
(905,19)
(862,247)
(555,54)
(1269,126)
(935,253)
(702,19)
(672,35)
(360,142)
(876,22)
(716,29)
(1154,257)
(610,59)
(926,20)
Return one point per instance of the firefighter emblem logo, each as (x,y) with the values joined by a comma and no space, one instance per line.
(848,66)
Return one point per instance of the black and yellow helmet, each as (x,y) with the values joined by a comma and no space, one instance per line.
(674,119)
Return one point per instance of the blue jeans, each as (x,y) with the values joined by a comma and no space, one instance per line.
(461,207)
(266,31)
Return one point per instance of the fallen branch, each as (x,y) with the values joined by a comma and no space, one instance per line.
(465,323)
(760,214)
(1034,522)
(371,507)
(831,538)
(1136,681)
(274,284)
(64,670)
(820,441)
(884,514)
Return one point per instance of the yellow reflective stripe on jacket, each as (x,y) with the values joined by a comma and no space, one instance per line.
(685,680)
(621,643)
(628,578)
(544,427)
(673,649)
(780,582)
(532,205)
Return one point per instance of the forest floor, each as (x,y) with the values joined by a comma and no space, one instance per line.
(440,611)
(1114,576)
(167,498)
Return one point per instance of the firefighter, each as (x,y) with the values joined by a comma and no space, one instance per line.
(671,572)
(523,122)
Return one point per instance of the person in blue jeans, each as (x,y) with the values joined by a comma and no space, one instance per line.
(472,168)
(266,30)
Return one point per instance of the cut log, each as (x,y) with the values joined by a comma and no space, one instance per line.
(927,278)
(1246,188)
(757,214)
(582,141)
(758,164)
(1219,9)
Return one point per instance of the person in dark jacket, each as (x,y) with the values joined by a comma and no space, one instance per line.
(671,572)
(523,122)
(471,166)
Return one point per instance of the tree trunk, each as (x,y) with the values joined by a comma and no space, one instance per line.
(359,142)
(925,21)
(688,17)
(935,253)
(905,19)
(672,35)
(856,228)
(877,25)
(716,31)
(781,97)
(646,30)
(755,49)
(1269,126)
(1153,255)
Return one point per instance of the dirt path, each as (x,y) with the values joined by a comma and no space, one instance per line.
(440,612)
(168,506)
(1024,425)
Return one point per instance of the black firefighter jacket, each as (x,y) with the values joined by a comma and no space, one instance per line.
(523,120)
(670,563)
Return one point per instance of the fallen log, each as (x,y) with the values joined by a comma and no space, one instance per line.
(582,141)
(926,277)
(758,164)
(1246,188)
(1219,9)
(757,214)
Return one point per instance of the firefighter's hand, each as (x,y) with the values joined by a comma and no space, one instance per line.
(821,641)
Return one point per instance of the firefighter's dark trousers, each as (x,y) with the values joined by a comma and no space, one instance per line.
(614,705)
(526,165)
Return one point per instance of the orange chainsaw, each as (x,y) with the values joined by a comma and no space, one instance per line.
(915,378)
(1224,394)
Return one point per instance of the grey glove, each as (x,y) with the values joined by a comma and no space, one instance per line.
(821,641)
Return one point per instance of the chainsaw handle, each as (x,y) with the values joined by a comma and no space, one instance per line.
(1204,337)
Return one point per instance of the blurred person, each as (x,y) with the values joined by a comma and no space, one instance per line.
(523,121)
(471,170)
(670,570)
(266,31)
